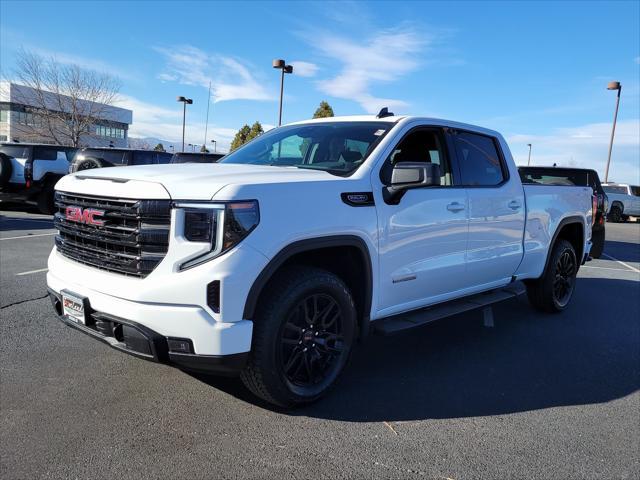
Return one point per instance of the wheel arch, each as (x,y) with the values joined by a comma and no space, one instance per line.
(315,251)
(617,203)
(571,229)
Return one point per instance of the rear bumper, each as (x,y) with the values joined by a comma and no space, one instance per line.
(140,341)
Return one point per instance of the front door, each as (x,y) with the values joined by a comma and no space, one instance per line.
(423,238)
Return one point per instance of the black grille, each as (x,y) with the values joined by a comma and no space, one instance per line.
(132,241)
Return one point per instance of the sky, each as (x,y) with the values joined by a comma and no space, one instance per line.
(535,71)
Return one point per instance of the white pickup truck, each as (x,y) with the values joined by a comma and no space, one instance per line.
(273,262)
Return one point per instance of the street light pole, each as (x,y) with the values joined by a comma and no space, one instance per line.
(529,161)
(282,65)
(612,86)
(214,145)
(184,101)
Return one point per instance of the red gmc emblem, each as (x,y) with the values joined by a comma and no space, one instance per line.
(88,215)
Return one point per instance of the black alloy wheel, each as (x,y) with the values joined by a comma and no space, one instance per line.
(311,342)
(565,278)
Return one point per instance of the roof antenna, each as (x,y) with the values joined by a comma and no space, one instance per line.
(384,112)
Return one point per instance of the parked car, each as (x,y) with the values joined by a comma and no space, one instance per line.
(624,201)
(581,177)
(97,157)
(29,171)
(272,262)
(195,157)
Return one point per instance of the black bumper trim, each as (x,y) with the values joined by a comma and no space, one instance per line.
(227,365)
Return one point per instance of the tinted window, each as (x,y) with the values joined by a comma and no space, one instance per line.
(478,158)
(45,153)
(142,158)
(15,151)
(615,189)
(559,177)
(114,157)
(635,191)
(163,157)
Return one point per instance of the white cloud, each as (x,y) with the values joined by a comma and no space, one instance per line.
(304,69)
(230,78)
(150,120)
(383,58)
(586,146)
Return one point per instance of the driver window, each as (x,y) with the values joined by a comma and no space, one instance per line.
(419,146)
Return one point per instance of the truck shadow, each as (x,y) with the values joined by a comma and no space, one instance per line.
(10,222)
(459,368)
(624,251)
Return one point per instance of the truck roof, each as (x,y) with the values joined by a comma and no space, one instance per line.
(399,118)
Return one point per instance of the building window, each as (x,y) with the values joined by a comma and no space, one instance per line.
(4,117)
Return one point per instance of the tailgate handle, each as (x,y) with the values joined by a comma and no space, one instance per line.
(455,207)
(514,205)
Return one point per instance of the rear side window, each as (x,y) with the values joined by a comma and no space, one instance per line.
(479,159)
(45,153)
(143,158)
(14,151)
(615,189)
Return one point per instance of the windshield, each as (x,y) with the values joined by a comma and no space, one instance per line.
(335,147)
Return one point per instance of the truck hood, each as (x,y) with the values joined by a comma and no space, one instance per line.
(190,181)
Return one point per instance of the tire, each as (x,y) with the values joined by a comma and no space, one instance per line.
(5,169)
(46,202)
(89,163)
(615,214)
(597,237)
(552,292)
(291,363)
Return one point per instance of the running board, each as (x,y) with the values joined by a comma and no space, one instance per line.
(417,318)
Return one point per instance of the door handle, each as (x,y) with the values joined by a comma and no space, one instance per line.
(455,207)
(514,205)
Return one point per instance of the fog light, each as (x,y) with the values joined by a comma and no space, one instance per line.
(180,345)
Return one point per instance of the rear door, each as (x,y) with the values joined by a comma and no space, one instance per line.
(496,209)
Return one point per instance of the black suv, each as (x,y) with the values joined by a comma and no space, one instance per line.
(88,158)
(196,157)
(574,176)
(29,171)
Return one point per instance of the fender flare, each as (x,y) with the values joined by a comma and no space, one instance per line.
(305,245)
(573,219)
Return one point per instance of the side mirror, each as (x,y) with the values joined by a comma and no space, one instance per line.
(409,175)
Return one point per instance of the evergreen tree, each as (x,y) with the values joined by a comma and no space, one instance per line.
(240,138)
(323,111)
(203,149)
(159,148)
(256,131)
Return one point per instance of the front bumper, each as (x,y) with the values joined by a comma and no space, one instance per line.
(138,340)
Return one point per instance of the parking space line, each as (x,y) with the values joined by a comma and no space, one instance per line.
(621,262)
(29,236)
(31,271)
(606,268)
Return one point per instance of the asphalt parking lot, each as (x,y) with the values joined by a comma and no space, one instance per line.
(536,396)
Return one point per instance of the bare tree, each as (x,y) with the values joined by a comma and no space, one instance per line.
(66,101)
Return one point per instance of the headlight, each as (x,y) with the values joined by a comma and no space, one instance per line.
(221,226)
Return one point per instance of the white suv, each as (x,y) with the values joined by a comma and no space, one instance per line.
(274,261)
